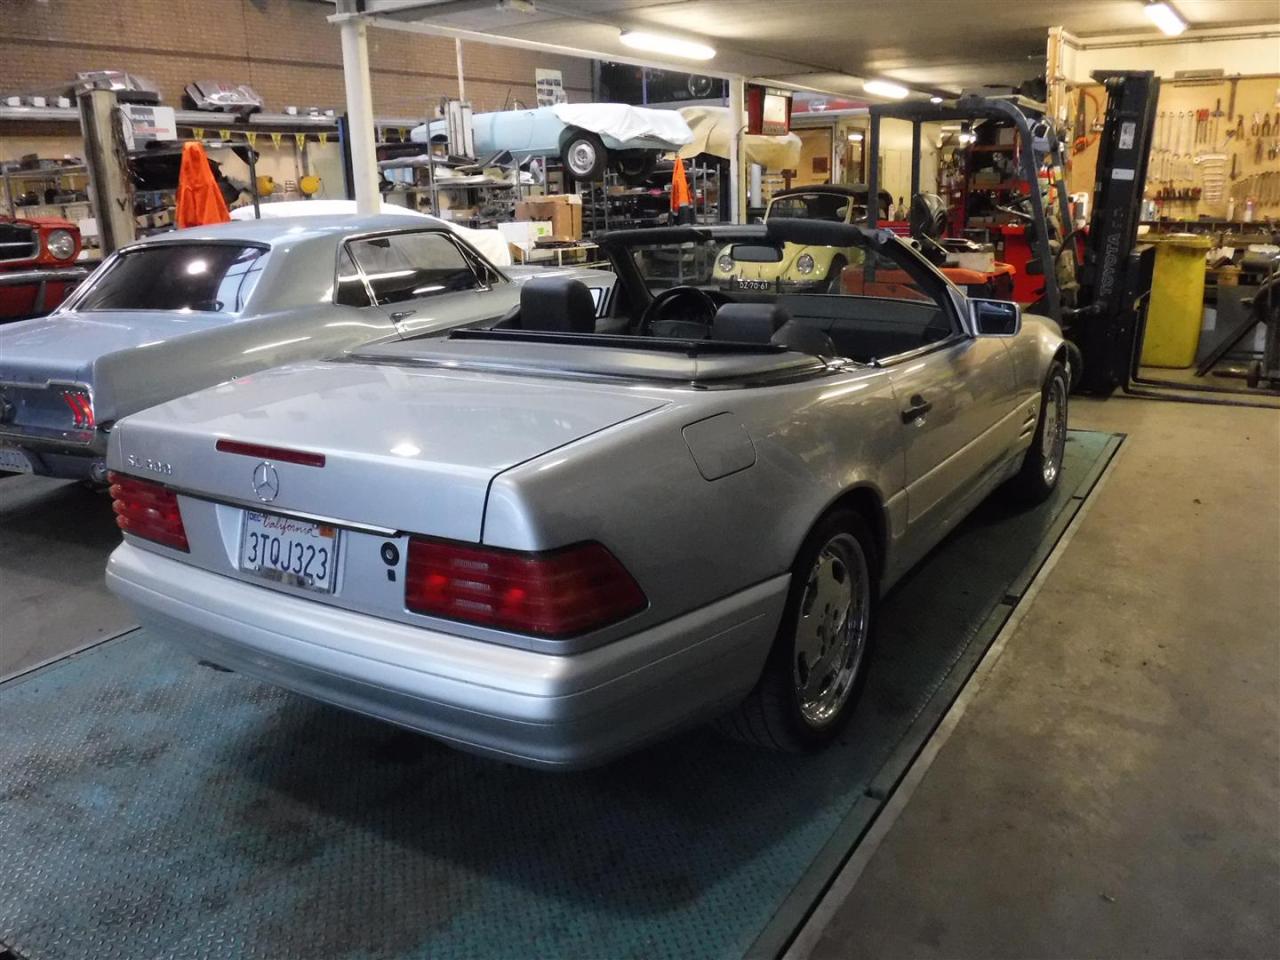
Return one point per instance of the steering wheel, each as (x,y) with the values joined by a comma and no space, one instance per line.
(700,312)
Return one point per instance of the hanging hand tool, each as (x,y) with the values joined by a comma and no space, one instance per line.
(1266,125)
(1217,119)
(1231,101)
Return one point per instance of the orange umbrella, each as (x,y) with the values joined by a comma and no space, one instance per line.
(680,194)
(199,199)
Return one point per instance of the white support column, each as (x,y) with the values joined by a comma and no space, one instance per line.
(355,71)
(737,182)
(457,52)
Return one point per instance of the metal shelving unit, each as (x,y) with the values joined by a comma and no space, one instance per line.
(43,175)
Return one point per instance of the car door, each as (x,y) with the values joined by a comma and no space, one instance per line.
(512,130)
(953,398)
(955,390)
(423,280)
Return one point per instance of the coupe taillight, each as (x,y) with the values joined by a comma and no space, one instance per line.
(148,510)
(81,406)
(558,593)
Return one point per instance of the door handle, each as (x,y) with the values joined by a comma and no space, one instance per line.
(402,315)
(919,407)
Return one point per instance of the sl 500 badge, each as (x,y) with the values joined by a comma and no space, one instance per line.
(146,463)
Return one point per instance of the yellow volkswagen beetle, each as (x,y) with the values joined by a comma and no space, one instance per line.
(801,267)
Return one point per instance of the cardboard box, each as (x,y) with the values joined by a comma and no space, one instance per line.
(564,211)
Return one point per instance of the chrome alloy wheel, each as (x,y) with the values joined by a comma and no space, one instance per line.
(1054,438)
(581,158)
(831,632)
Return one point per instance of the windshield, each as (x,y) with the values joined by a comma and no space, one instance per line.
(816,206)
(861,302)
(187,277)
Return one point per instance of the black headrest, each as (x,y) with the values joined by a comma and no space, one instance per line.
(748,322)
(557,304)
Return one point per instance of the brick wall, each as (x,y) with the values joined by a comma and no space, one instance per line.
(284,49)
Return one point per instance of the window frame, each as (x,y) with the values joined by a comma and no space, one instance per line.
(480,268)
(83,290)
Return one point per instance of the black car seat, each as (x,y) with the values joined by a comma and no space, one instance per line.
(769,323)
(556,305)
(803,338)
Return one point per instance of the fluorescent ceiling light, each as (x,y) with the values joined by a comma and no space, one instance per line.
(885,88)
(935,99)
(855,137)
(1166,18)
(669,46)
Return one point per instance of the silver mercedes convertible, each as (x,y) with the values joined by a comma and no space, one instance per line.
(554,537)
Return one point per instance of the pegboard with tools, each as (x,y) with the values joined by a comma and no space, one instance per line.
(1215,150)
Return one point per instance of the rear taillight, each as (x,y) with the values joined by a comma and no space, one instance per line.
(554,594)
(148,510)
(81,405)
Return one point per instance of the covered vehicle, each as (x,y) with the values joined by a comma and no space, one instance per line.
(189,309)
(587,137)
(562,536)
(38,266)
(796,267)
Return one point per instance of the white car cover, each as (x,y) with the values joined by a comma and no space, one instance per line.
(624,123)
(491,243)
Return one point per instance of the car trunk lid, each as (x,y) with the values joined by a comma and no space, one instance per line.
(403,449)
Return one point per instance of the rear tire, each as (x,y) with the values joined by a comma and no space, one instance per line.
(816,669)
(1042,464)
(584,156)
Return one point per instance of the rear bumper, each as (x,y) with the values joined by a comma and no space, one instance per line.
(66,454)
(526,707)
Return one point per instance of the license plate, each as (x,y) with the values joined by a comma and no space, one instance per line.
(14,460)
(755,284)
(295,552)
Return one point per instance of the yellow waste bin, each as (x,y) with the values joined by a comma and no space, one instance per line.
(1177,301)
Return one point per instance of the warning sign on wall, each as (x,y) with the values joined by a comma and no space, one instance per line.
(143,124)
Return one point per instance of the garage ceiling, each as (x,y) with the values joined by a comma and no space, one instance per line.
(830,44)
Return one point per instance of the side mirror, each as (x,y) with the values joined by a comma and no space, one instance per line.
(995,318)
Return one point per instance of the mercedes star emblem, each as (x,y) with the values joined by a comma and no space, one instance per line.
(266,482)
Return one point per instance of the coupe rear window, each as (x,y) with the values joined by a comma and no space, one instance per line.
(813,206)
(204,277)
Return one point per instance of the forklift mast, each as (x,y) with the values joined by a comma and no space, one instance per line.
(1115,278)
(1039,147)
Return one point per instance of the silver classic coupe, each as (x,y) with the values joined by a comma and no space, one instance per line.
(186,310)
(558,536)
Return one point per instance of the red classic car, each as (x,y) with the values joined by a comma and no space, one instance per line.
(37,265)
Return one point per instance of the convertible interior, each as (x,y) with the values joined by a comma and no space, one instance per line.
(863,328)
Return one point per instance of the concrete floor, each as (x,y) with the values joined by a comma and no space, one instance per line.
(54,541)
(1113,789)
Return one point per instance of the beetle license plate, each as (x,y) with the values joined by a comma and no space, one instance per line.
(755,284)
(14,460)
(295,552)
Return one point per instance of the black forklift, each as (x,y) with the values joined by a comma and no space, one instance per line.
(1095,283)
